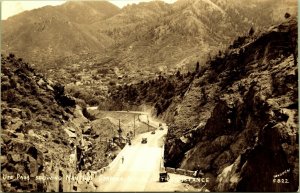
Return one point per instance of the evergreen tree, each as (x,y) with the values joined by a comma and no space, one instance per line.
(197,67)
(178,74)
(251,31)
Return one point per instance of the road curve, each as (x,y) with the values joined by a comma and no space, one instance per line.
(141,162)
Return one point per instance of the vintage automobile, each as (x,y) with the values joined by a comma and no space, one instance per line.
(161,128)
(153,132)
(164,177)
(144,140)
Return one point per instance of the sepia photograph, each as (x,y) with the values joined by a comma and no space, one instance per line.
(149,96)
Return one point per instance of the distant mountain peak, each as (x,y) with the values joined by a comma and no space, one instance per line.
(199,3)
(88,11)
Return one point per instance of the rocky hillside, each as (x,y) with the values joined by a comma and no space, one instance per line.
(42,131)
(32,139)
(237,120)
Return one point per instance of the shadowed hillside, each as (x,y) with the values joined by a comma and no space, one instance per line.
(33,111)
(42,131)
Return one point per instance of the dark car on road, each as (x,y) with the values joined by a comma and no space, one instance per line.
(164,177)
(144,140)
(153,132)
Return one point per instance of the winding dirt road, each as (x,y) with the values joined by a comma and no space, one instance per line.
(141,163)
(140,169)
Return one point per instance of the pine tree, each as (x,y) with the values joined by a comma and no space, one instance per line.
(197,67)
(251,31)
(178,74)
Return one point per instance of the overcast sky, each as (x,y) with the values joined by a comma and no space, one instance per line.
(10,8)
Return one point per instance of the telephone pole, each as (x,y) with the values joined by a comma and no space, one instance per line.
(134,125)
(148,122)
(120,131)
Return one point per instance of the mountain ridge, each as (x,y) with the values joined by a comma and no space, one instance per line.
(128,33)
